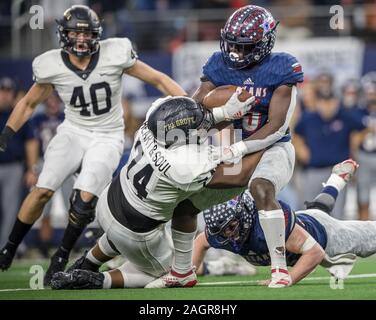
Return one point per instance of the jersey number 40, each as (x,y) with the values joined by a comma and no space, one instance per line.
(78,99)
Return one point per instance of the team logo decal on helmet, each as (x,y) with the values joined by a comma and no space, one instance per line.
(79,19)
(248,36)
(179,120)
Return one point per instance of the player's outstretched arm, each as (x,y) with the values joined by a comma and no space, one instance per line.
(200,247)
(301,242)
(23,111)
(281,109)
(158,79)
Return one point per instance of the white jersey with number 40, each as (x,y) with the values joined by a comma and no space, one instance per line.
(92,97)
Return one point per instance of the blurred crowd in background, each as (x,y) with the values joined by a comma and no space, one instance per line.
(328,127)
(163,25)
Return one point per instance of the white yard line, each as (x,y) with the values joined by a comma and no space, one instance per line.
(18,289)
(224,283)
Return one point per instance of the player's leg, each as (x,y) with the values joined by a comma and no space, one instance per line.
(341,174)
(183,232)
(56,169)
(81,213)
(150,252)
(126,276)
(272,173)
(99,162)
(102,252)
(45,230)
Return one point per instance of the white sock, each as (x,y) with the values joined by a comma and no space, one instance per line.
(107,282)
(183,243)
(93,259)
(273,224)
(336,182)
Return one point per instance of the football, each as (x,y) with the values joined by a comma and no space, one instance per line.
(220,95)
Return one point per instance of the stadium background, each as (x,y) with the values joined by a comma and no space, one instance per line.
(177,37)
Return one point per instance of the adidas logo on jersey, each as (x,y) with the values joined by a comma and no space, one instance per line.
(248,82)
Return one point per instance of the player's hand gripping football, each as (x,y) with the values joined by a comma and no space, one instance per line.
(234,108)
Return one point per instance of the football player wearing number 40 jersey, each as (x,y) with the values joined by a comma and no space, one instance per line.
(246,61)
(86,73)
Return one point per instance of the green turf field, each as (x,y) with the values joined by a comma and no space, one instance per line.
(361,285)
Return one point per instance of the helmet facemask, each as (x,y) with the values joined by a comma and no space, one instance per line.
(240,53)
(77,46)
(85,28)
(229,224)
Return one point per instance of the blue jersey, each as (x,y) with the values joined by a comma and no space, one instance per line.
(44,127)
(328,140)
(255,249)
(16,147)
(261,80)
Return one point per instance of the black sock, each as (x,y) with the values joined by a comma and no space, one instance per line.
(71,235)
(19,232)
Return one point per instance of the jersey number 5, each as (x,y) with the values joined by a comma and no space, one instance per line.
(78,99)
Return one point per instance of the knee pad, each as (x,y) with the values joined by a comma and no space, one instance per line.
(81,213)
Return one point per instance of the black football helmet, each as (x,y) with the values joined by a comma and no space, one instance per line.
(79,18)
(179,120)
(248,36)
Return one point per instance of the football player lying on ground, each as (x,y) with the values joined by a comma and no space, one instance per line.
(313,237)
(160,174)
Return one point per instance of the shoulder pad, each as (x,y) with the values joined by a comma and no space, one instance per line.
(46,66)
(120,51)
(286,68)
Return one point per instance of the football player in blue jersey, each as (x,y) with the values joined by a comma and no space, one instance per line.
(246,60)
(313,237)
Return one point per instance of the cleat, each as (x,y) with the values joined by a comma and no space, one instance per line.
(280,278)
(175,280)
(57,264)
(83,264)
(77,279)
(345,169)
(6,258)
